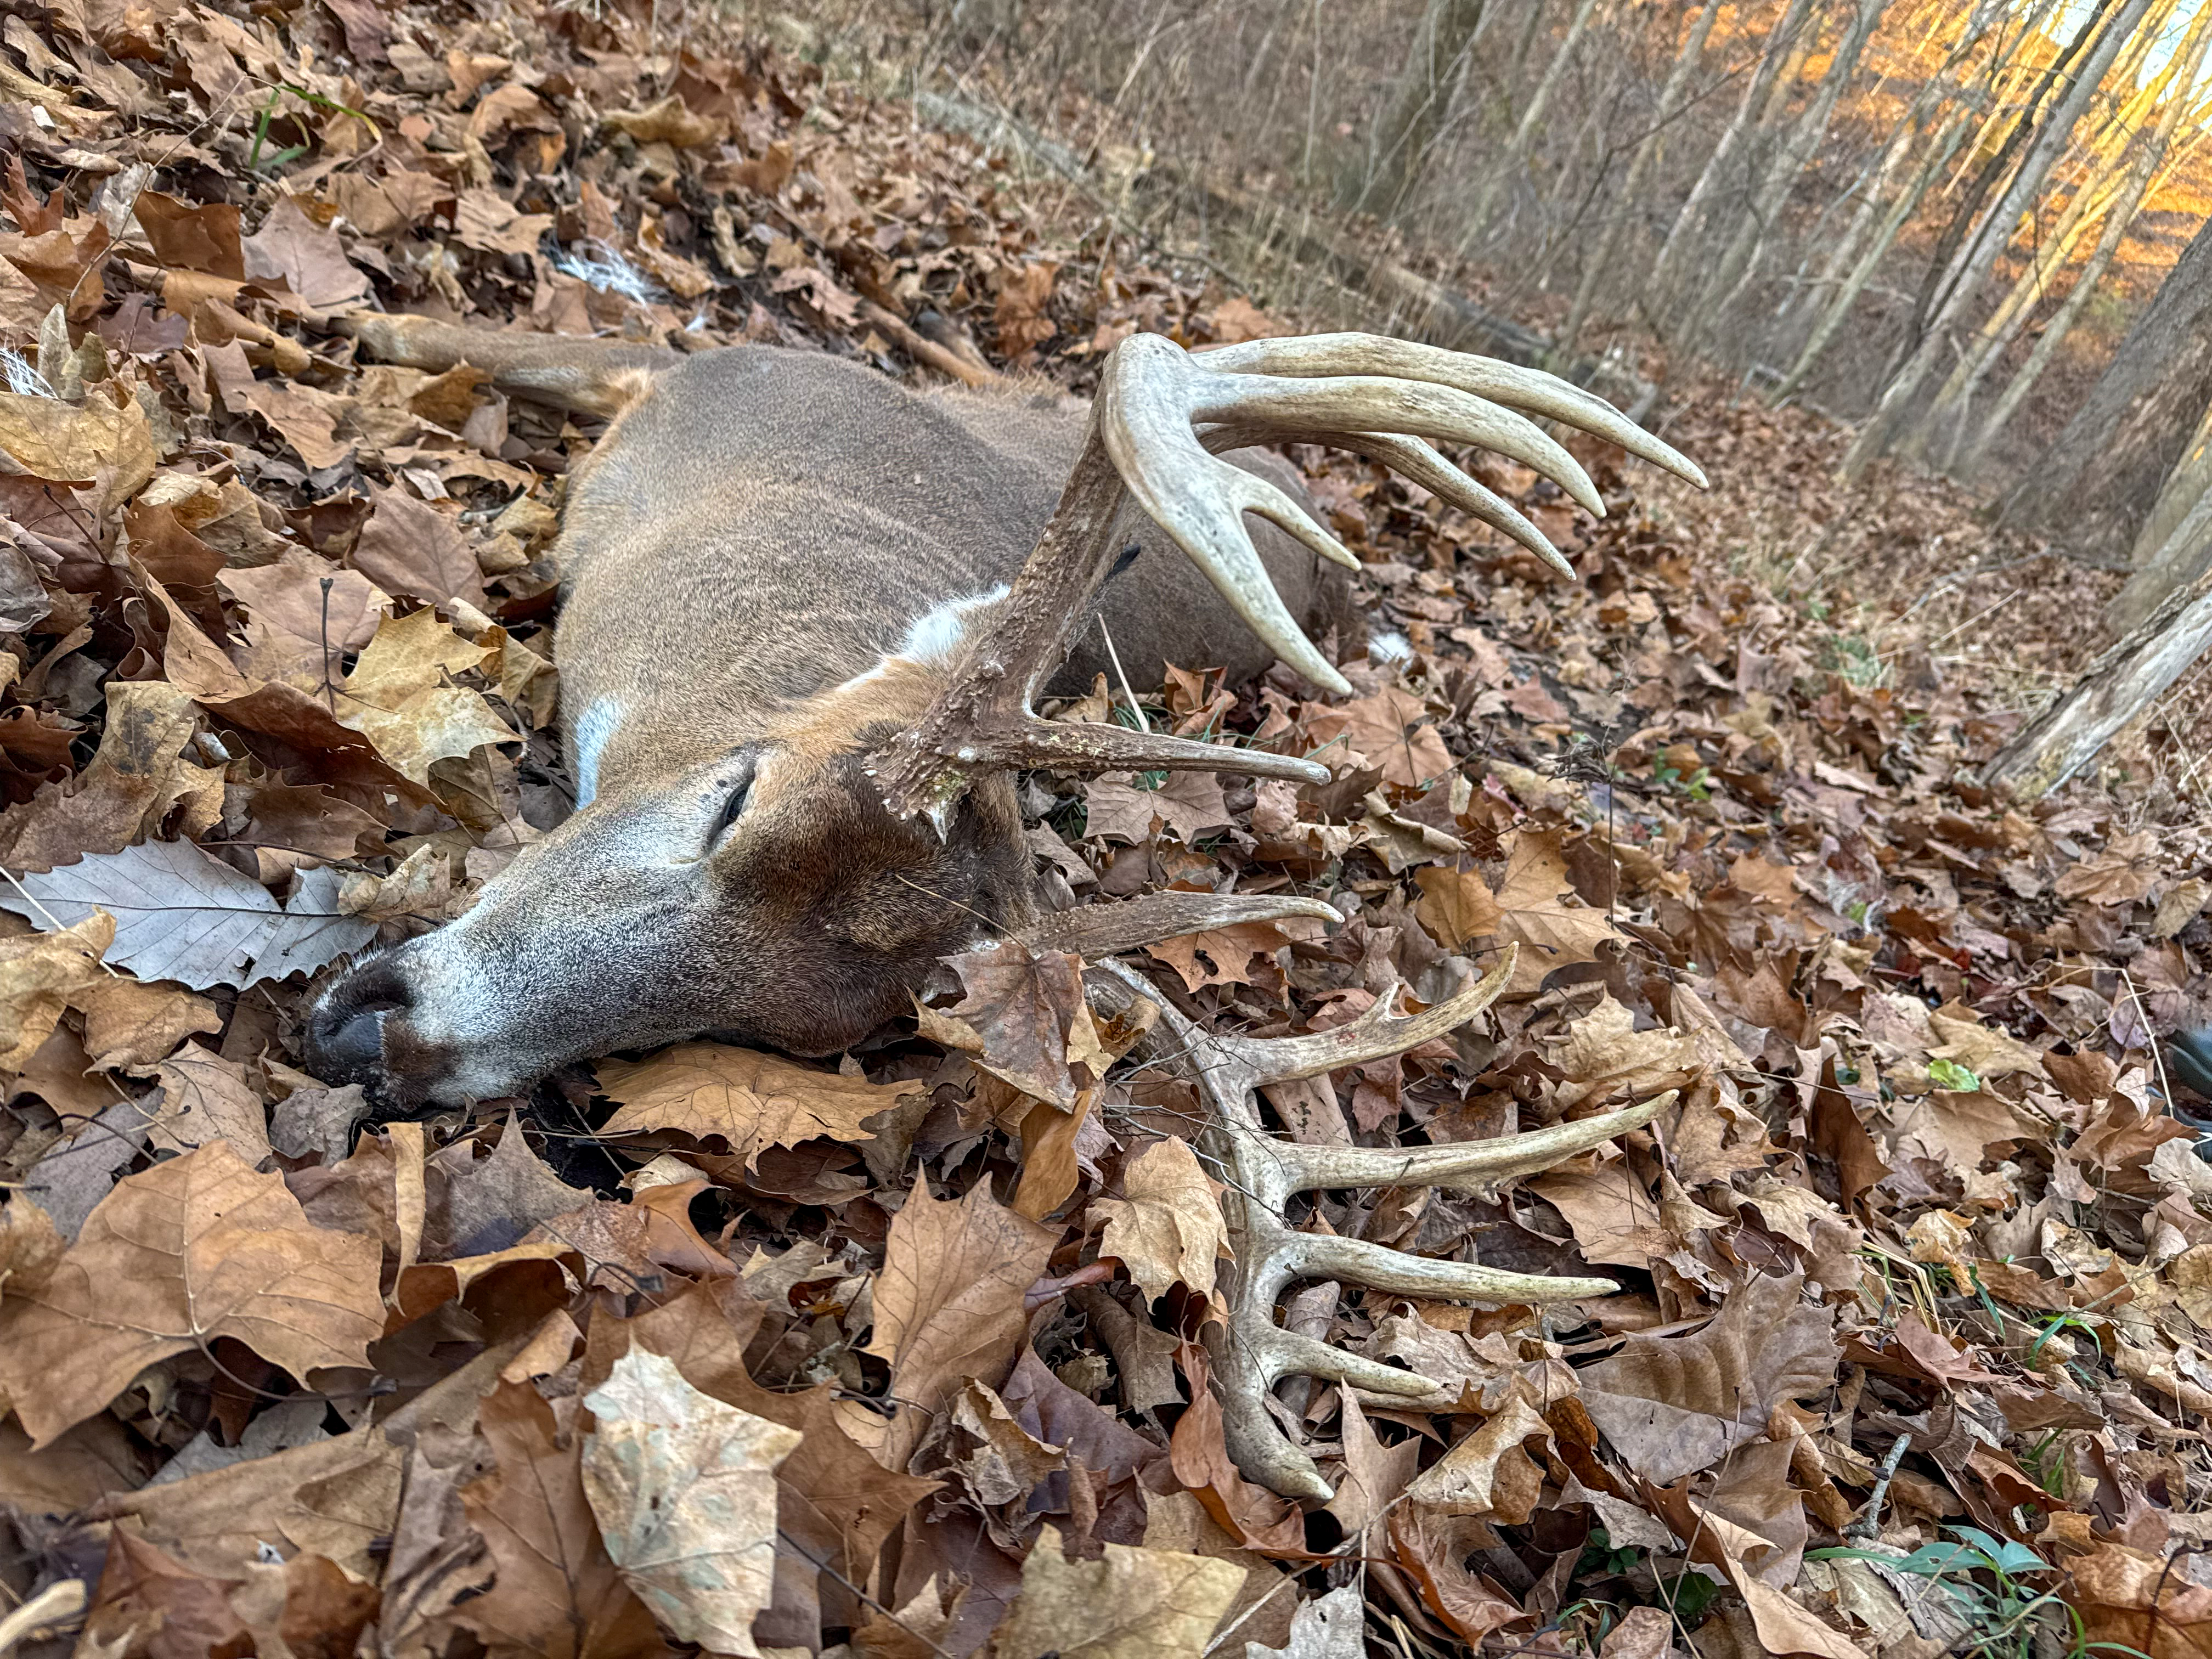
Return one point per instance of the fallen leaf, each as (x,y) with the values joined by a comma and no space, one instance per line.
(195,1248)
(1168,1229)
(183,916)
(753,1101)
(1134,1603)
(684,1489)
(42,974)
(400,695)
(949,1302)
(408,546)
(1023,1018)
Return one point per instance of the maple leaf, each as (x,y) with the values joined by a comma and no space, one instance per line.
(1553,935)
(684,1489)
(400,696)
(1024,1020)
(181,915)
(1169,1229)
(1373,729)
(192,1250)
(42,974)
(713,1090)
(556,1594)
(1223,955)
(1186,804)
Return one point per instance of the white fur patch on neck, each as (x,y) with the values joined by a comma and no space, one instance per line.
(595,728)
(937,634)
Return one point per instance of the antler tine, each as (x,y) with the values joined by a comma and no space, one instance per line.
(1376,395)
(1413,460)
(1374,1035)
(1251,1353)
(1102,930)
(1529,389)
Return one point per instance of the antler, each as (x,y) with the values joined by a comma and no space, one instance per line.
(1157,425)
(1252,1352)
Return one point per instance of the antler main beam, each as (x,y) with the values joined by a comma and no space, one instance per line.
(1156,425)
(1252,1352)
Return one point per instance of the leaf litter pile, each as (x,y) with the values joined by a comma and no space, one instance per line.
(709,1348)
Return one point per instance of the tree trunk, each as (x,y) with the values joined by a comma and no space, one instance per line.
(1991,236)
(2118,686)
(1630,197)
(2098,480)
(1516,151)
(1780,177)
(1954,248)
(2173,548)
(1400,144)
(1840,307)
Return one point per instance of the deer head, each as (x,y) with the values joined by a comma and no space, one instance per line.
(794,888)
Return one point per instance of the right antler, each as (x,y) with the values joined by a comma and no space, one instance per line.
(1159,420)
(1262,1173)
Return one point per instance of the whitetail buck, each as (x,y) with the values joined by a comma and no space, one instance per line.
(805,614)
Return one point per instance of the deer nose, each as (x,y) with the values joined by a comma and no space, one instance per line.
(345,1036)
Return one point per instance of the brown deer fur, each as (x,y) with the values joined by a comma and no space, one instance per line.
(763,564)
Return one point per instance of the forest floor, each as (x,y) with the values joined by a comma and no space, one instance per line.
(1913,1349)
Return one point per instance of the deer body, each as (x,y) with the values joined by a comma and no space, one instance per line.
(772,558)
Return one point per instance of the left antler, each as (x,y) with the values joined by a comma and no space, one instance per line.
(1156,426)
(1262,1173)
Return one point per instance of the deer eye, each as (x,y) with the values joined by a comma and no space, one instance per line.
(733,805)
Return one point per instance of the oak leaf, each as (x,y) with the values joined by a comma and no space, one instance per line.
(192,1250)
(753,1101)
(684,1489)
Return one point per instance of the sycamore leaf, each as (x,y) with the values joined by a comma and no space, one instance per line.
(684,1489)
(75,443)
(195,1248)
(753,1101)
(184,915)
(1134,1604)
(1169,1229)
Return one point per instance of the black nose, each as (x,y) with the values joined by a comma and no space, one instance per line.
(2189,1060)
(346,1034)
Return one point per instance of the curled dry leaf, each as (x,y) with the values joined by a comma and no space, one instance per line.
(194,1249)
(684,1489)
(42,974)
(401,696)
(713,1090)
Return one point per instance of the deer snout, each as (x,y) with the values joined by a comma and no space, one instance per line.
(345,1037)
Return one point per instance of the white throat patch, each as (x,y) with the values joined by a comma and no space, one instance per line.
(595,728)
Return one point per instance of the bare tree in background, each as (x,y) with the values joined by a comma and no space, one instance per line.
(2117,21)
(1405,137)
(2098,480)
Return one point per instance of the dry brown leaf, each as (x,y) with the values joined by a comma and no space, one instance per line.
(130,1023)
(684,1489)
(1134,1603)
(401,696)
(192,1250)
(713,1090)
(1489,1473)
(1169,1229)
(1604,1055)
(949,1302)
(1023,1018)
(1674,1405)
(40,975)
(205,1098)
(556,1593)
